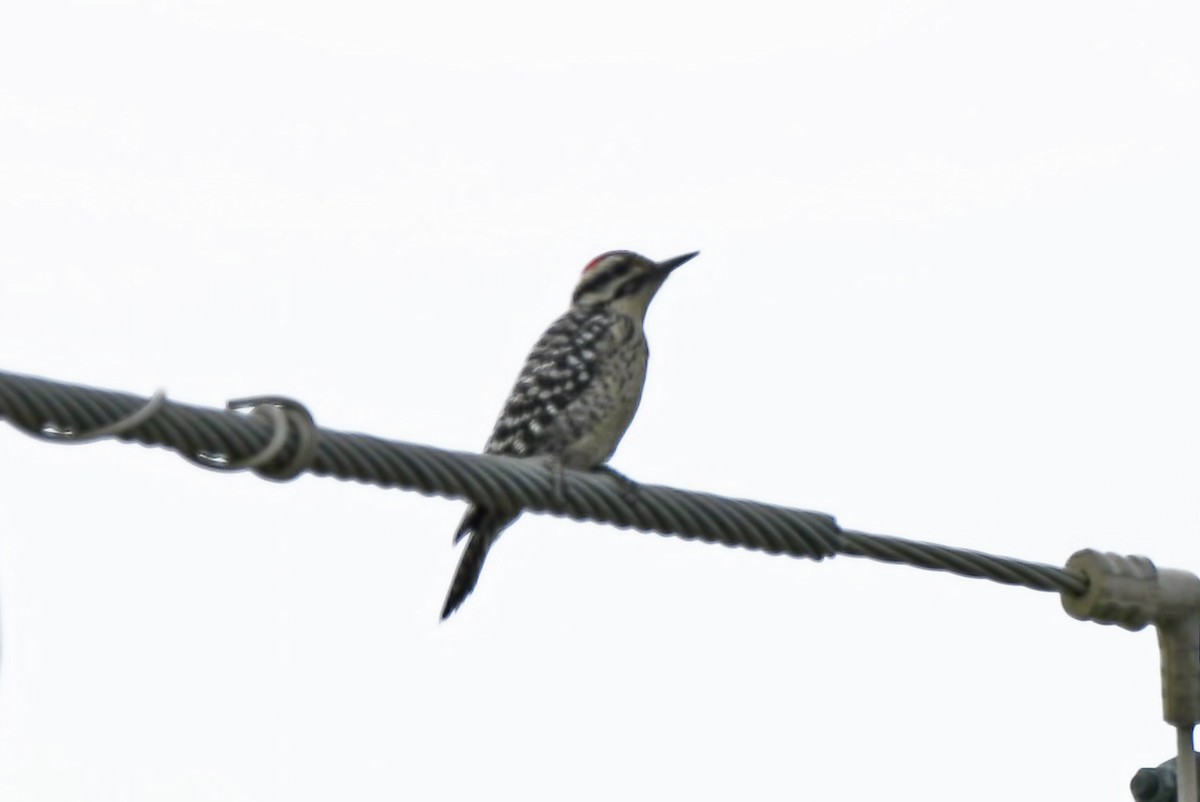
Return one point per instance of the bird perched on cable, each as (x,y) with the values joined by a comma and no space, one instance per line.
(577,393)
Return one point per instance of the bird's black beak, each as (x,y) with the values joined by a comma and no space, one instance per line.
(668,265)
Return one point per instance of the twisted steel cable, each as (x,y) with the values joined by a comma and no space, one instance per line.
(221,438)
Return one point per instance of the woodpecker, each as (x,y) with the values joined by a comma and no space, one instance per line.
(577,393)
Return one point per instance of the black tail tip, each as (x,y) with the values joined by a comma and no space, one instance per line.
(451,605)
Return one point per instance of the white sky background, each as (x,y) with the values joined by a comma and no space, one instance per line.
(947,291)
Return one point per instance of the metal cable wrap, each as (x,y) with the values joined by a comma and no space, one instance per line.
(212,437)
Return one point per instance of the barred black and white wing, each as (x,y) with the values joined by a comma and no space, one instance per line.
(557,371)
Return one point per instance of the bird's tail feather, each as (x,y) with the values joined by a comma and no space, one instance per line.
(484,527)
(471,522)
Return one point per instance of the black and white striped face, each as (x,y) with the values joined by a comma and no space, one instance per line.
(624,278)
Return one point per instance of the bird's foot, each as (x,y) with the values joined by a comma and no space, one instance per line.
(629,488)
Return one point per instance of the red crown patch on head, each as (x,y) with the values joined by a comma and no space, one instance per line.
(607,255)
(596,261)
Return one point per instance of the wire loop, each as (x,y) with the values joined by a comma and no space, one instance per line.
(285,415)
(295,417)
